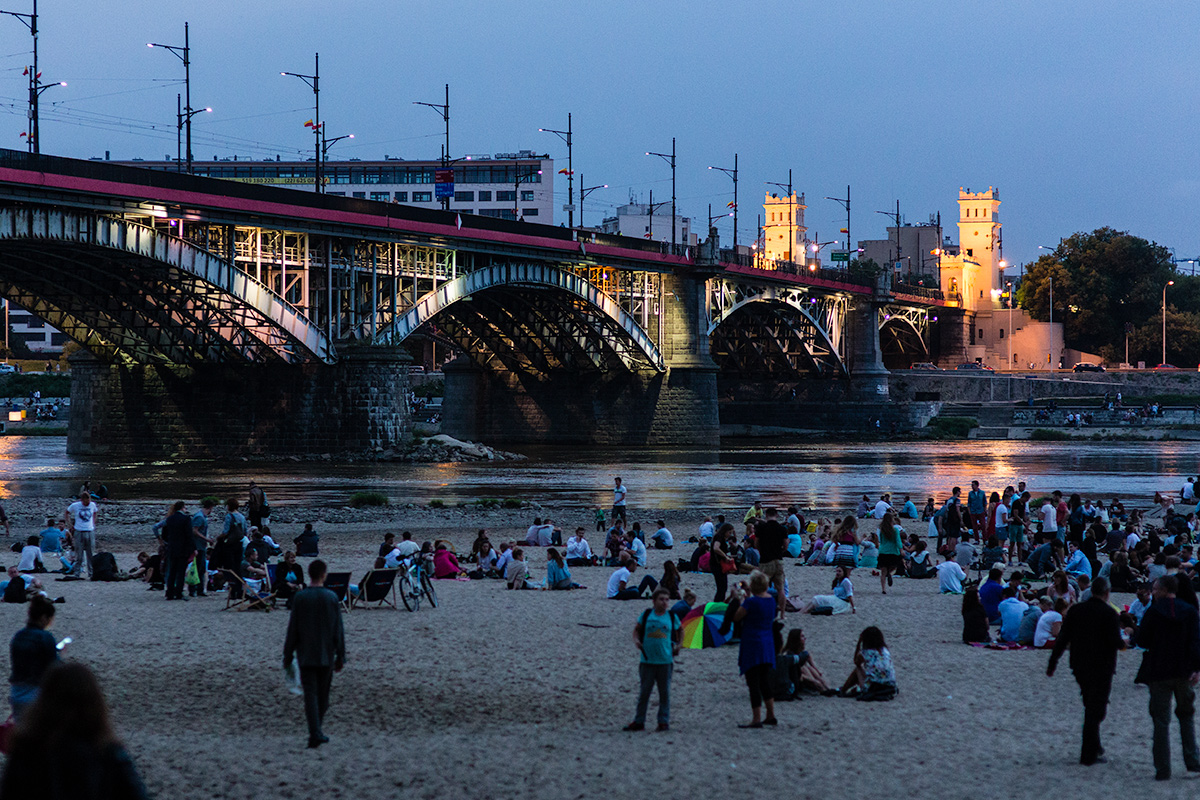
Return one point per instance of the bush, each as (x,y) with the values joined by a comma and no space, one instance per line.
(952,427)
(216,501)
(361,499)
(437,503)
(1049,435)
(24,384)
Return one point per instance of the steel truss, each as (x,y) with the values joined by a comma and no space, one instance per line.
(904,332)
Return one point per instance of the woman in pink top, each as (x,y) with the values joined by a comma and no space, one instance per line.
(445,563)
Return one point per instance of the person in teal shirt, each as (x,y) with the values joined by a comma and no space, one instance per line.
(977,507)
(657,636)
(910,508)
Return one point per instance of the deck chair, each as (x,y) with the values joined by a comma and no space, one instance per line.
(378,587)
(243,598)
(339,584)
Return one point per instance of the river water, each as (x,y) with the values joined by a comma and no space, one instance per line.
(823,475)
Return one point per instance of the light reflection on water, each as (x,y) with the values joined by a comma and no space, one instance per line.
(824,474)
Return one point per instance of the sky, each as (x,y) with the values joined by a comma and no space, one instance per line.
(1082,113)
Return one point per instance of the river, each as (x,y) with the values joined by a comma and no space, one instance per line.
(828,474)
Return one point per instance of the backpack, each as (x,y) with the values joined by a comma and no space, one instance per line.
(104,567)
(642,620)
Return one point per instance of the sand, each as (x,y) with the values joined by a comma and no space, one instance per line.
(504,694)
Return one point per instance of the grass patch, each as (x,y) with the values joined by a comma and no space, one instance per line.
(363,499)
(25,384)
(437,503)
(951,427)
(430,389)
(1048,435)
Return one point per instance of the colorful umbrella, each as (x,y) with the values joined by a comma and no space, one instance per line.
(701,625)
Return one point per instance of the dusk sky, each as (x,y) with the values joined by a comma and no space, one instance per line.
(1083,114)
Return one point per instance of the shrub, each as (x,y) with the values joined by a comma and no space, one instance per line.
(1049,435)
(437,503)
(24,384)
(952,427)
(361,499)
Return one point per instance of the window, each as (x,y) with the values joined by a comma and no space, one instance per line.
(500,213)
(361,195)
(34,322)
(1002,333)
(526,197)
(422,197)
(401,197)
(506,196)
(970,252)
(384,196)
(981,334)
(485,197)
(464,197)
(529,212)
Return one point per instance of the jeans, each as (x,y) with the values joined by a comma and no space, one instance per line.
(21,696)
(84,542)
(315,682)
(648,582)
(651,675)
(722,585)
(1161,693)
(1094,691)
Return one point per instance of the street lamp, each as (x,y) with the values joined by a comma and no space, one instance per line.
(1010,328)
(816,248)
(518,179)
(1164,322)
(443,109)
(30,21)
(184,54)
(584,191)
(733,173)
(182,118)
(712,218)
(791,222)
(845,204)
(670,159)
(651,207)
(314,81)
(895,217)
(566,137)
(328,143)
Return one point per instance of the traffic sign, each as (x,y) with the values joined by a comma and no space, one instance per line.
(839,255)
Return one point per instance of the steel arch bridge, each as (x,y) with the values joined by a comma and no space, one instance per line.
(903,335)
(132,294)
(765,329)
(530,318)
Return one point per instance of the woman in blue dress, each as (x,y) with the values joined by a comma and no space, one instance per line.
(756,655)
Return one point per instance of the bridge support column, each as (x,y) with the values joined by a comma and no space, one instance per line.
(356,406)
(676,407)
(868,375)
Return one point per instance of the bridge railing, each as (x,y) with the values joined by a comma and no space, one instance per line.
(917,290)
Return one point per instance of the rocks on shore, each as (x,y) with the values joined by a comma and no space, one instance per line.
(435,449)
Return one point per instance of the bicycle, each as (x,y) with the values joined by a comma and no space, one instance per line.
(415,582)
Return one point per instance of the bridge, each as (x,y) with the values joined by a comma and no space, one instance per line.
(219,317)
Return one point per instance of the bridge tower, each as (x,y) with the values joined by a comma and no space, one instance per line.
(784,232)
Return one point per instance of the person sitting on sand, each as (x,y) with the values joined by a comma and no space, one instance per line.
(1060,586)
(481,539)
(388,545)
(699,560)
(506,555)
(579,552)
(993,553)
(841,601)
(1011,611)
(662,538)
(485,560)
(1029,620)
(685,605)
(306,542)
(796,674)
(868,553)
(1050,624)
(558,576)
(614,545)
(874,676)
(18,588)
(671,579)
(289,578)
(147,568)
(445,563)
(516,573)
(259,545)
(636,548)
(253,572)
(920,565)
(52,536)
(618,582)
(1077,561)
(975,619)
(31,556)
(950,575)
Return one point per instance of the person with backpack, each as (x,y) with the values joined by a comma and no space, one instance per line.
(658,634)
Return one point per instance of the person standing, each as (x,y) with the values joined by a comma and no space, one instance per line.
(81,517)
(891,551)
(771,538)
(256,505)
(32,651)
(177,535)
(756,652)
(658,635)
(202,541)
(977,508)
(618,507)
(316,640)
(1170,634)
(1092,630)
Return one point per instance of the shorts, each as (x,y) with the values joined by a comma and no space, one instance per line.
(1016,534)
(890,561)
(774,570)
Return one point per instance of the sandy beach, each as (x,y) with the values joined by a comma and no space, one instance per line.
(501,694)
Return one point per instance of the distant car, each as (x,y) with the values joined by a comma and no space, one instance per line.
(1166,366)
(6,368)
(1084,366)
(975,365)
(926,366)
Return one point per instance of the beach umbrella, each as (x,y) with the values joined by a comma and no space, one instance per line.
(701,625)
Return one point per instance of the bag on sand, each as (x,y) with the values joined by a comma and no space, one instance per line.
(104,567)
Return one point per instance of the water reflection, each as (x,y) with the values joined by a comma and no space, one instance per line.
(811,474)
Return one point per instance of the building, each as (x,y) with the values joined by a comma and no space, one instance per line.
(635,219)
(504,185)
(912,251)
(784,234)
(33,332)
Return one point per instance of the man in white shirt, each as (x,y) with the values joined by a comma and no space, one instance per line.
(634,545)
(882,507)
(1132,540)
(1049,519)
(81,517)
(950,576)
(707,530)
(619,492)
(1189,491)
(579,552)
(31,555)
(618,583)
(662,538)
(1049,624)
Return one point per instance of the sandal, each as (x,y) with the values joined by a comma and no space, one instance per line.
(770,721)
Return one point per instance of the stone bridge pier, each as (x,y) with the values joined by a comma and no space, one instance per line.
(356,406)
(677,406)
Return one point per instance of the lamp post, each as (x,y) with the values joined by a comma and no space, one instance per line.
(1010,329)
(670,159)
(584,191)
(314,81)
(36,87)
(733,173)
(517,181)
(845,204)
(816,248)
(30,21)
(652,205)
(1164,322)
(443,109)
(567,137)
(184,118)
(895,217)
(184,54)
(713,218)
(328,143)
(791,210)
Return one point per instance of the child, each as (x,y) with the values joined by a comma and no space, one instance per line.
(601,525)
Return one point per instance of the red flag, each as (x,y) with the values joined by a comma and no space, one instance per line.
(26,72)
(308,124)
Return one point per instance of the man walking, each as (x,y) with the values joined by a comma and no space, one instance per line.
(81,517)
(177,534)
(657,635)
(316,640)
(771,538)
(1170,634)
(256,505)
(1092,630)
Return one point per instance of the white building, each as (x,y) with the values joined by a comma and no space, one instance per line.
(37,335)
(635,219)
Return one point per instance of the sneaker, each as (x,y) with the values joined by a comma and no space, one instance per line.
(662,726)
(634,726)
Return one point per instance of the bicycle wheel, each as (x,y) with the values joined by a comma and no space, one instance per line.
(409,593)
(427,588)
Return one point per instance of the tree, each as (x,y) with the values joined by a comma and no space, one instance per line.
(1102,280)
(1183,339)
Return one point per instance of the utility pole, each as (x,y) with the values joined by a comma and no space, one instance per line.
(895,217)
(444,110)
(733,173)
(30,21)
(670,159)
(584,191)
(791,216)
(566,136)
(845,204)
(314,81)
(184,115)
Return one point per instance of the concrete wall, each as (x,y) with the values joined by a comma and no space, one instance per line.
(356,406)
(967,387)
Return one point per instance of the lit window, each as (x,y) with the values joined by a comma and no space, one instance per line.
(422,197)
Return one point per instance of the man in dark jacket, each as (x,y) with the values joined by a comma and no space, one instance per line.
(1170,633)
(1093,631)
(177,534)
(316,640)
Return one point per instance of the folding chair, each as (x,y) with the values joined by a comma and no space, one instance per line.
(240,594)
(339,584)
(379,587)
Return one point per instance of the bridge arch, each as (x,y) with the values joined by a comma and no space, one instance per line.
(763,331)
(132,294)
(903,336)
(530,318)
